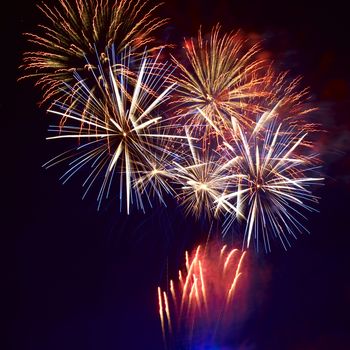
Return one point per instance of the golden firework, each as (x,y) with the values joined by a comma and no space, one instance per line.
(204,176)
(78,31)
(220,76)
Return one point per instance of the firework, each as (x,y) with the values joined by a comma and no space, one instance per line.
(76,29)
(203,177)
(156,178)
(119,132)
(220,77)
(289,101)
(275,182)
(199,306)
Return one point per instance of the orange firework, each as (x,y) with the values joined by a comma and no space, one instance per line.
(286,101)
(220,76)
(77,31)
(200,303)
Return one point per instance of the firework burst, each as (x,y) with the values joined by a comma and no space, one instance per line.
(118,128)
(221,78)
(199,306)
(156,179)
(289,101)
(203,177)
(76,29)
(275,182)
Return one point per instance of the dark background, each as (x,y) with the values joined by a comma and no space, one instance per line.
(75,278)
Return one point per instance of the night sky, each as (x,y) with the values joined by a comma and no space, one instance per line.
(75,278)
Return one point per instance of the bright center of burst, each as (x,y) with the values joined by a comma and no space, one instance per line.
(203,187)
(124,134)
(258,185)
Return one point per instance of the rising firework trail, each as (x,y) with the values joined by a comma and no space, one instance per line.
(118,128)
(198,307)
(75,29)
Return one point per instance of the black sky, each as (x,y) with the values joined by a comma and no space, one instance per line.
(76,278)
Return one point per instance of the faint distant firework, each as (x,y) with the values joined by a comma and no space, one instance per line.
(120,136)
(277,175)
(198,307)
(76,31)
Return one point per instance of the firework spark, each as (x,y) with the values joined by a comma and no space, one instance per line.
(221,78)
(118,128)
(275,183)
(200,303)
(76,29)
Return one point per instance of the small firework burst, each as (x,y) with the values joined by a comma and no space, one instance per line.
(76,29)
(198,307)
(221,77)
(275,182)
(156,179)
(118,127)
(203,177)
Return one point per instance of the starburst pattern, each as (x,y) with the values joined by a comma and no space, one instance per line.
(275,182)
(118,127)
(203,177)
(75,30)
(221,77)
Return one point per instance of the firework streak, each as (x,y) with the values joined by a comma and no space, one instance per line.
(198,307)
(203,176)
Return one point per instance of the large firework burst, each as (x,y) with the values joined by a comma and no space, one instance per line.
(275,183)
(220,77)
(76,29)
(117,127)
(198,307)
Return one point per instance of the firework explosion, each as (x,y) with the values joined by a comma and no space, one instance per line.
(76,29)
(199,305)
(289,100)
(221,77)
(118,128)
(273,189)
(203,177)
(210,151)
(219,130)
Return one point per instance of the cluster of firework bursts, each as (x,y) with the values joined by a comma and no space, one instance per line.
(216,127)
(219,130)
(200,303)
